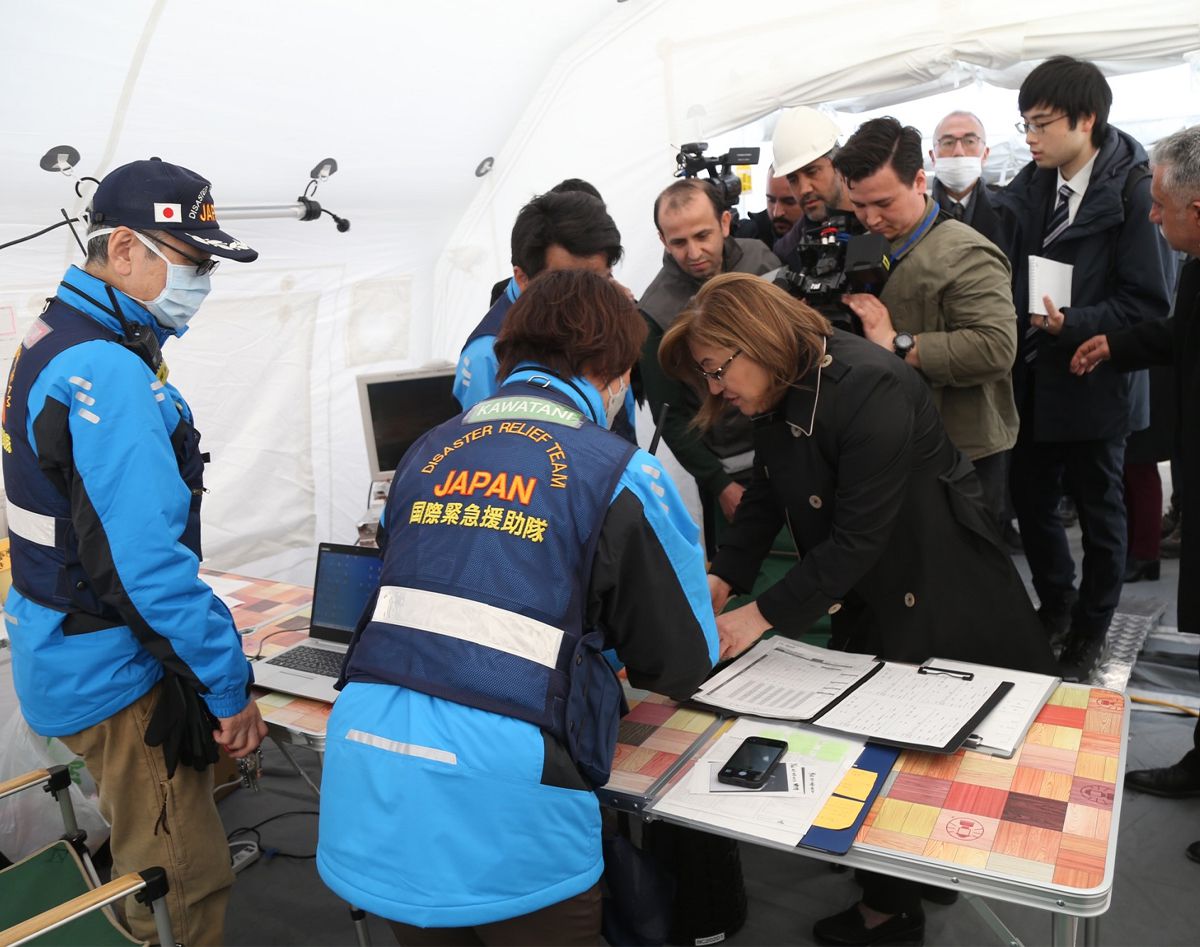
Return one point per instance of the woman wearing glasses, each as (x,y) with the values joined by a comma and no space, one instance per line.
(886,514)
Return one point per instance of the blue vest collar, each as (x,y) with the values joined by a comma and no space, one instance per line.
(579,391)
(92,299)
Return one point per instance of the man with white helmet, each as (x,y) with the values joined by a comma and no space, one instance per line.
(804,146)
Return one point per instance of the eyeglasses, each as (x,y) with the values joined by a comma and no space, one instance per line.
(947,142)
(718,375)
(203,267)
(1036,128)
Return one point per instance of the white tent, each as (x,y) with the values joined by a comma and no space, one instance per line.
(409,99)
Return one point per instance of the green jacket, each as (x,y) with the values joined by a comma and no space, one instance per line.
(731,438)
(953,291)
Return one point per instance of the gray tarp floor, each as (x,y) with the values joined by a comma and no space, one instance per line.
(1156,892)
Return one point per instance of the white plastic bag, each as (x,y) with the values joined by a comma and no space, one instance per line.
(32,819)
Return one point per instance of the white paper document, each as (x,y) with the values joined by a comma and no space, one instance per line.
(1005,726)
(1048,278)
(784,679)
(813,767)
(910,706)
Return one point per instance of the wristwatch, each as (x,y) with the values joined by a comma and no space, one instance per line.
(903,344)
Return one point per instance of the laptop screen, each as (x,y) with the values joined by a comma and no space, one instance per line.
(347,577)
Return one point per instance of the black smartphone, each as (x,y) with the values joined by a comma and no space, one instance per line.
(752,762)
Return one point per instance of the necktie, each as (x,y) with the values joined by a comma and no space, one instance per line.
(957,210)
(1060,218)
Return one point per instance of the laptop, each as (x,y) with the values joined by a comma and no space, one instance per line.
(347,577)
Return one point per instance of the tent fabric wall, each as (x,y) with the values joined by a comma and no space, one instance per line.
(409,98)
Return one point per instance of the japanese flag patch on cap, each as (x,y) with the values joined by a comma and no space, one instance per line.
(167,213)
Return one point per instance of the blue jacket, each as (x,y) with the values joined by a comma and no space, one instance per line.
(1123,271)
(102,428)
(477,375)
(440,814)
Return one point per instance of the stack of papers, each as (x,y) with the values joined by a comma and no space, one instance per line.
(932,707)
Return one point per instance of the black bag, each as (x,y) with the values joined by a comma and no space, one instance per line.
(638,894)
(710,893)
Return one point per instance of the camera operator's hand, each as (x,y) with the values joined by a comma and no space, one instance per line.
(729,498)
(876,320)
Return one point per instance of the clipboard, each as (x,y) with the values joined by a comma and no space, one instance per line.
(843,814)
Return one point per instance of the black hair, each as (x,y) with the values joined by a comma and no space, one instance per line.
(877,143)
(573,220)
(568,185)
(684,192)
(1073,85)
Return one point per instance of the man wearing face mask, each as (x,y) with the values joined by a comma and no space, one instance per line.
(119,649)
(958,153)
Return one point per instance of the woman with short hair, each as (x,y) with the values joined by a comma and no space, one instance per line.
(886,514)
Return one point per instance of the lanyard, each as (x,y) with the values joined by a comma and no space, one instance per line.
(917,234)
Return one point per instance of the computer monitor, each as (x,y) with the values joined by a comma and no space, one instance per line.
(398,407)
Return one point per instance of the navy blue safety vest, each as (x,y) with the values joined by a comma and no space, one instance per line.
(490,324)
(52,575)
(492,525)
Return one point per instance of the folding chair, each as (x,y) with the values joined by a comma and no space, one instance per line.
(54,897)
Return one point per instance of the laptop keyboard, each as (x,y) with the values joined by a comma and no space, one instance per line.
(312,660)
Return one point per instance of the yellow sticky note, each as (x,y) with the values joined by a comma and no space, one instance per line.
(857,784)
(838,813)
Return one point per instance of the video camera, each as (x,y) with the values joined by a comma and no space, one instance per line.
(691,161)
(834,262)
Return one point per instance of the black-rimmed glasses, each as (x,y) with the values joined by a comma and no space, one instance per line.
(203,267)
(1036,128)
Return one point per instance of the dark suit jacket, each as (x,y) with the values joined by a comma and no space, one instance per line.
(1176,342)
(980,214)
(887,517)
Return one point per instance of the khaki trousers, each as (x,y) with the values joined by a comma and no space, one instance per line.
(172,824)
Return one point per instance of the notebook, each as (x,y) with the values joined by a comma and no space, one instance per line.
(347,577)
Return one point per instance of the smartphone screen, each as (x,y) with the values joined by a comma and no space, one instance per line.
(752,762)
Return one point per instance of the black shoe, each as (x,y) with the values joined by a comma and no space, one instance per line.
(1170,546)
(1193,851)
(1138,569)
(936,895)
(1080,656)
(1174,782)
(1056,621)
(848,929)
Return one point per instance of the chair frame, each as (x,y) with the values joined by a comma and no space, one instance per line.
(149,886)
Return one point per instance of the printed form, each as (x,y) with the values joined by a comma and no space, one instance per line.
(785,679)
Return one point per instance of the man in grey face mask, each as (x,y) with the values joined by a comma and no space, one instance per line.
(958,154)
(119,648)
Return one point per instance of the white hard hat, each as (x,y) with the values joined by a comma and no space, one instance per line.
(801,136)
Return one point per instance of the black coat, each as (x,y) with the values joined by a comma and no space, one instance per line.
(887,516)
(981,216)
(1176,342)
(1122,276)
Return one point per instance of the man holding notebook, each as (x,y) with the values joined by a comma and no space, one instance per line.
(1083,201)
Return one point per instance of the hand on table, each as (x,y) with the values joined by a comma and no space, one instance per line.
(739,629)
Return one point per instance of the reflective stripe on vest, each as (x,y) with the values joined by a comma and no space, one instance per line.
(474,622)
(35,527)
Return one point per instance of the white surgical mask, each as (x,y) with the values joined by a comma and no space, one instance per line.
(615,403)
(959,172)
(182,294)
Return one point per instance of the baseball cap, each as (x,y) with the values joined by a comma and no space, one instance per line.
(802,135)
(157,195)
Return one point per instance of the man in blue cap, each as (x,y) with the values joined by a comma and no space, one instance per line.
(119,647)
